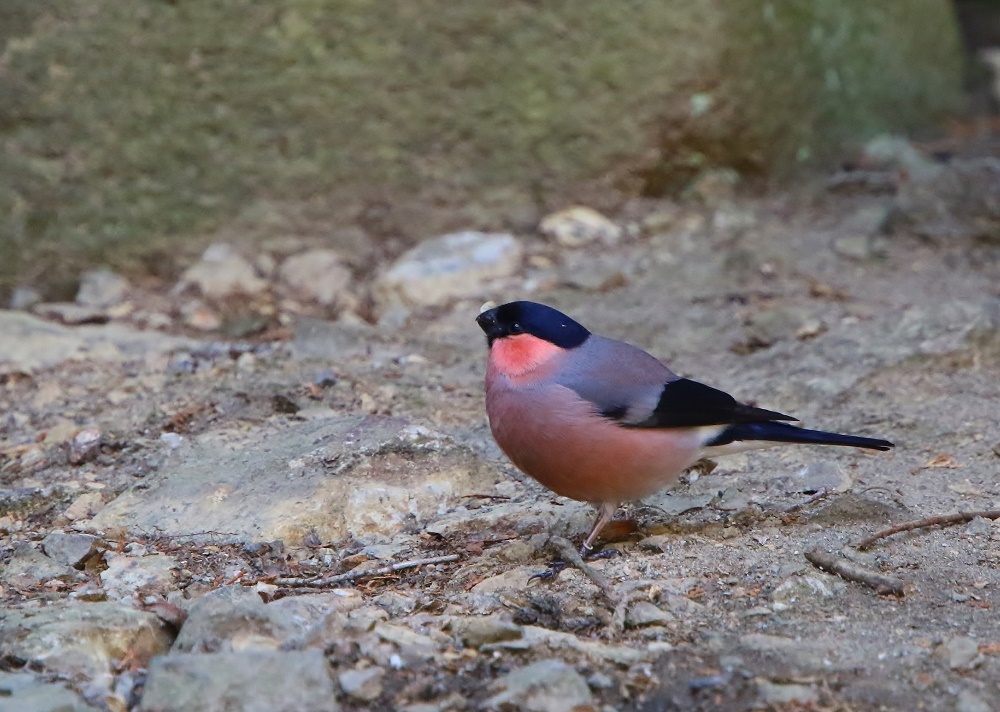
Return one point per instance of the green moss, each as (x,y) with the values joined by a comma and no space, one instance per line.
(129,126)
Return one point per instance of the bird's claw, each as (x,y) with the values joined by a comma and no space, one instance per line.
(599,554)
(555,568)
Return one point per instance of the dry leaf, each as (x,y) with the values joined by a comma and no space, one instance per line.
(945,461)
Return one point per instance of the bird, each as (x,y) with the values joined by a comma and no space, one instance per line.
(602,421)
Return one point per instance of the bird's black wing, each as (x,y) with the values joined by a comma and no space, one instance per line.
(686,404)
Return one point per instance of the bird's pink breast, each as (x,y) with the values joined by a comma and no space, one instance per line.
(555,436)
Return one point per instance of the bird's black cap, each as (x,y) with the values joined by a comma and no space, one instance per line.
(531,318)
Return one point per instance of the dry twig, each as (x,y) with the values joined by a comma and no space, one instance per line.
(852,572)
(369,573)
(943,520)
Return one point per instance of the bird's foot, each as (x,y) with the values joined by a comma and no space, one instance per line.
(556,567)
(598,554)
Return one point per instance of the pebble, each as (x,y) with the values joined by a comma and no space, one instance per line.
(960,652)
(969,701)
(477,631)
(69,549)
(448,267)
(128,576)
(101,288)
(257,681)
(579,226)
(544,686)
(805,591)
(979,526)
(362,685)
(821,474)
(84,506)
(24,297)
(395,603)
(221,272)
(81,641)
(783,694)
(645,613)
(70,313)
(22,692)
(318,275)
(85,446)
(29,567)
(234,618)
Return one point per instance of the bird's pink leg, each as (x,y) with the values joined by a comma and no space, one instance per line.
(605,514)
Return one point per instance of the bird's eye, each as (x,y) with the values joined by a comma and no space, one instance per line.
(516,328)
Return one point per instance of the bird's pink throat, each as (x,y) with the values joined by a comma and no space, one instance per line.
(520,354)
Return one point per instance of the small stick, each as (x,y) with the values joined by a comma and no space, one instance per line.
(816,496)
(939,521)
(852,572)
(569,554)
(352,575)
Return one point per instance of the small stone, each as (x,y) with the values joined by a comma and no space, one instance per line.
(858,247)
(514,579)
(84,446)
(84,506)
(362,685)
(257,681)
(364,618)
(714,186)
(449,267)
(996,449)
(806,590)
(222,272)
(29,567)
(578,226)
(897,153)
(319,275)
(101,288)
(783,694)
(411,644)
(477,631)
(70,313)
(81,641)
(201,317)
(545,686)
(129,576)
(21,692)
(24,297)
(69,549)
(600,681)
(395,604)
(645,613)
(960,652)
(980,526)
(235,619)
(820,475)
(969,701)
(768,326)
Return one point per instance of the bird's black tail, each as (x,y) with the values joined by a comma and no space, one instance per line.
(784,433)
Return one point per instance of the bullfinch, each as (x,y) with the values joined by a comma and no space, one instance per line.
(602,421)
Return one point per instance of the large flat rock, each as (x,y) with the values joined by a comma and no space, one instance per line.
(338,476)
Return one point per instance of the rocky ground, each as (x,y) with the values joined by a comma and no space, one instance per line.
(217,494)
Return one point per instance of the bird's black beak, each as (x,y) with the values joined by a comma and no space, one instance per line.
(491,327)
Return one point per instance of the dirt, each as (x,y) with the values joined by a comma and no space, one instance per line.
(897,345)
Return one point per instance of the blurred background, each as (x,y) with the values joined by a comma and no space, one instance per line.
(135,135)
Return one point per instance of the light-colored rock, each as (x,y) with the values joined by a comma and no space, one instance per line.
(83,641)
(130,576)
(85,506)
(897,153)
(544,686)
(70,313)
(101,288)
(395,603)
(29,343)
(969,701)
(821,474)
(222,272)
(339,476)
(24,297)
(578,226)
(362,685)
(234,620)
(22,692)
(85,446)
(69,549)
(448,267)
(646,613)
(960,653)
(318,275)
(477,631)
(801,591)
(258,681)
(785,693)
(29,567)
